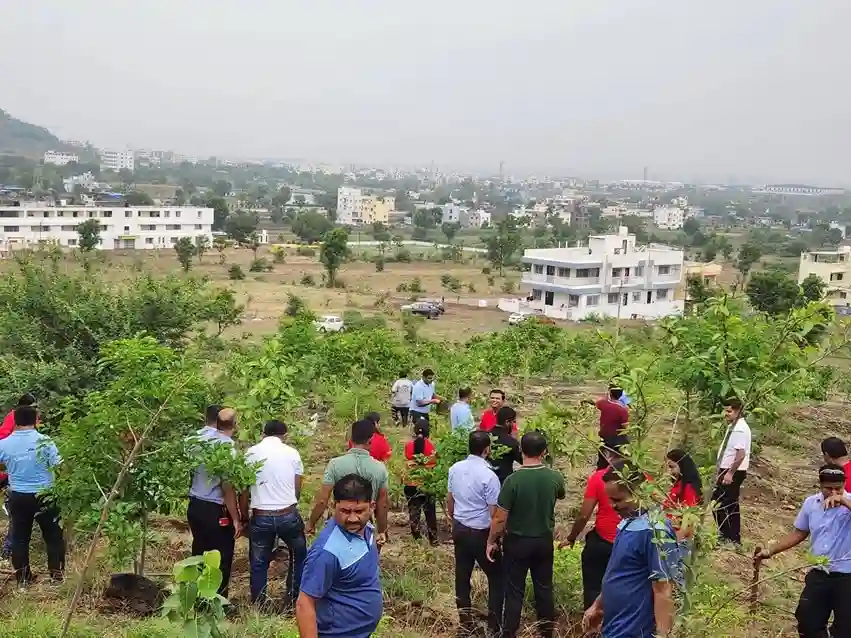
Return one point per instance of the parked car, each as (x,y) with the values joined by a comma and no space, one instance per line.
(519,317)
(329,323)
(422,308)
(436,303)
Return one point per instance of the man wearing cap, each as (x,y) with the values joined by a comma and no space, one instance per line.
(825,518)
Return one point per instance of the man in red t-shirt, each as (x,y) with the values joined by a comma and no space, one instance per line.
(600,539)
(379,446)
(835,451)
(613,419)
(496,400)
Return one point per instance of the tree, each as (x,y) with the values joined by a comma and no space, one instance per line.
(126,177)
(185,250)
(333,252)
(379,232)
(813,288)
(220,243)
(419,234)
(502,244)
(180,199)
(748,256)
(222,187)
(310,226)
(773,292)
(691,226)
(240,225)
(220,211)
(450,230)
(138,198)
(202,245)
(282,197)
(423,218)
(89,234)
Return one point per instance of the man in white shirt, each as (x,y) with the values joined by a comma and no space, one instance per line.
(734,458)
(400,398)
(274,510)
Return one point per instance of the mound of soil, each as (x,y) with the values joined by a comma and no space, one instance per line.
(134,594)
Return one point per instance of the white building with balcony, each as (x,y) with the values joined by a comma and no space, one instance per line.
(117,160)
(833,267)
(60,158)
(611,276)
(668,218)
(121,227)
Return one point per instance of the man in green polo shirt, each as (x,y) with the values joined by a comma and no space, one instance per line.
(525,517)
(356,461)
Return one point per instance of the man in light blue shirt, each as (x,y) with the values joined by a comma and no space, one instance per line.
(460,414)
(825,518)
(30,458)
(423,397)
(471,502)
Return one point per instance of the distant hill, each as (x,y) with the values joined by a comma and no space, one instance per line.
(21,138)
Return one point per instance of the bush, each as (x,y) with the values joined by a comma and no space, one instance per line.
(379,264)
(416,285)
(295,306)
(403,287)
(235,272)
(307,280)
(305,251)
(491,280)
(279,255)
(260,265)
(508,286)
(403,255)
(356,321)
(470,287)
(486,270)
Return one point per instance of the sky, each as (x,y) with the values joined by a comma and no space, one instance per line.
(694,90)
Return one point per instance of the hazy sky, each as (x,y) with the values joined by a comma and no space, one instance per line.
(693,89)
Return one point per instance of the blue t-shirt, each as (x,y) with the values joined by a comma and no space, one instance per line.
(206,487)
(422,392)
(341,573)
(641,555)
(461,416)
(29,457)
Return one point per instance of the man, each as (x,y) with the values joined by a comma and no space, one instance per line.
(598,541)
(6,429)
(423,396)
(734,458)
(496,399)
(470,503)
(341,592)
(526,517)
(460,414)
(213,513)
(835,452)
(30,457)
(274,510)
(356,461)
(825,518)
(637,596)
(379,447)
(613,419)
(508,448)
(400,398)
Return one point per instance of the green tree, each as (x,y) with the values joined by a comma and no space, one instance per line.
(310,226)
(420,233)
(450,230)
(333,252)
(773,292)
(138,198)
(502,244)
(89,234)
(222,187)
(185,250)
(813,288)
(379,232)
(749,254)
(282,197)
(691,226)
(220,211)
(202,245)
(126,177)
(240,225)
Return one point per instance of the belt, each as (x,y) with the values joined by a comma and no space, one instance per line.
(280,512)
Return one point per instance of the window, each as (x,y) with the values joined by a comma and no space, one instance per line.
(539,269)
(836,276)
(60,213)
(842,295)
(662,294)
(127,229)
(536,294)
(149,240)
(198,227)
(199,214)
(592,300)
(613,298)
(564,272)
(173,240)
(106,213)
(72,242)
(572,301)
(551,270)
(9,213)
(664,270)
(582,273)
(172,226)
(90,214)
(76,213)
(167,213)
(148,227)
(636,297)
(11,229)
(153,213)
(69,229)
(128,213)
(617,272)
(177,213)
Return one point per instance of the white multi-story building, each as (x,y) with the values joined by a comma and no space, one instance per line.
(117,160)
(86,180)
(121,227)
(611,276)
(356,206)
(60,158)
(476,219)
(833,267)
(668,218)
(453,213)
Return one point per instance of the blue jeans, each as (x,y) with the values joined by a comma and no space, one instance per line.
(264,530)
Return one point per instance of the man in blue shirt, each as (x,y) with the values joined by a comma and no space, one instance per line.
(213,511)
(471,502)
(460,414)
(340,590)
(637,600)
(423,396)
(30,457)
(825,518)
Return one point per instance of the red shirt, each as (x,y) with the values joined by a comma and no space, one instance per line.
(613,417)
(679,497)
(607,519)
(847,469)
(488,422)
(379,448)
(428,450)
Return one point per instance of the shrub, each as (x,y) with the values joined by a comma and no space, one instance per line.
(279,255)
(305,251)
(403,287)
(235,272)
(307,280)
(486,270)
(339,283)
(379,264)
(470,287)
(260,265)
(416,285)
(508,286)
(295,306)
(490,280)
(403,255)
(356,321)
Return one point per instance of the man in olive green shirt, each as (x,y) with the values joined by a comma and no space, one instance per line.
(356,461)
(525,517)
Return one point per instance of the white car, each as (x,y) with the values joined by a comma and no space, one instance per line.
(520,317)
(329,323)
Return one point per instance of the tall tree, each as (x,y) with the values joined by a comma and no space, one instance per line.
(138,198)
(502,244)
(773,292)
(813,288)
(89,234)
(450,230)
(240,225)
(222,187)
(185,250)
(333,252)
(282,197)
(749,254)
(310,226)
(202,245)
(220,211)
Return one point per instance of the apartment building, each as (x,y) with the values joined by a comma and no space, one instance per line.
(357,206)
(60,158)
(117,160)
(833,267)
(476,218)
(611,276)
(141,227)
(453,213)
(668,218)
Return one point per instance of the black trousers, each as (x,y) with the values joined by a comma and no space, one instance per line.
(727,514)
(470,545)
(824,593)
(521,555)
(399,415)
(208,534)
(595,559)
(25,509)
(417,503)
(608,444)
(416,416)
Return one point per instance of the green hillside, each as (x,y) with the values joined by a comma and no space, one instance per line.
(21,138)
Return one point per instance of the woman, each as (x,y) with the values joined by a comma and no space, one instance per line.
(419,453)
(687,488)
(379,447)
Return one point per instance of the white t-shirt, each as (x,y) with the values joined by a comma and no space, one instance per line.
(275,486)
(400,393)
(739,439)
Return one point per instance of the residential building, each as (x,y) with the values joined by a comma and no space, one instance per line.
(833,267)
(709,273)
(477,219)
(668,218)
(60,158)
(122,227)
(452,213)
(86,180)
(117,160)
(611,276)
(357,206)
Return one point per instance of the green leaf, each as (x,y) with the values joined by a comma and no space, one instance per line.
(213,559)
(190,629)
(209,582)
(188,596)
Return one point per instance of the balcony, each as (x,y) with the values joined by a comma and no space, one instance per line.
(626,282)
(562,282)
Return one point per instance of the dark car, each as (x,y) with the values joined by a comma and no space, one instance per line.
(424,309)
